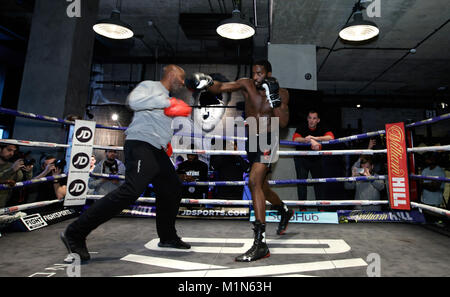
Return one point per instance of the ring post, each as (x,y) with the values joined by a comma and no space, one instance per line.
(399,196)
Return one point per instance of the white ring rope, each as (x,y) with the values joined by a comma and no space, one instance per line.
(241,153)
(291,203)
(33,143)
(12,209)
(249,202)
(434,209)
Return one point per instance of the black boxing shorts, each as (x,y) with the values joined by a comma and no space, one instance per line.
(258,155)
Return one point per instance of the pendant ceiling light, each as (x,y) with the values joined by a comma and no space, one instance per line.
(235,27)
(113,27)
(359,29)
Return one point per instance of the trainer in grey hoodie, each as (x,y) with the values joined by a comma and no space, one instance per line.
(149,123)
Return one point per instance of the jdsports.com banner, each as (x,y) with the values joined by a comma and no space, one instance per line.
(77,181)
(397,166)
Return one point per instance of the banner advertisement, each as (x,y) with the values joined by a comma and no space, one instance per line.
(399,197)
(80,156)
(226,213)
(43,219)
(190,212)
(139,211)
(413,216)
(301,217)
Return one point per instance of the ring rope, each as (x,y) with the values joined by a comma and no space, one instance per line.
(271,182)
(51,119)
(241,153)
(437,210)
(33,143)
(232,183)
(12,209)
(33,181)
(228,202)
(210,136)
(435,178)
(287,181)
(292,203)
(315,153)
(339,140)
(249,202)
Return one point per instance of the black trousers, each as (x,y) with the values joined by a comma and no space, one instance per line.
(302,166)
(144,164)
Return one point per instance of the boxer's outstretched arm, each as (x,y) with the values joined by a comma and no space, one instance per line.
(228,87)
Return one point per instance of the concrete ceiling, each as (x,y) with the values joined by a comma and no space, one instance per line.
(384,66)
(403,25)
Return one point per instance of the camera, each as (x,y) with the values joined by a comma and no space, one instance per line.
(60,164)
(360,170)
(112,166)
(24,157)
(28,162)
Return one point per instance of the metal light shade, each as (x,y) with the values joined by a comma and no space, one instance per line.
(113,27)
(359,29)
(235,27)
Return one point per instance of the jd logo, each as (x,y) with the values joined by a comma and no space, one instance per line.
(80,160)
(74,8)
(83,134)
(77,187)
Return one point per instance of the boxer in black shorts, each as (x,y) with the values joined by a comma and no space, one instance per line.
(260,156)
(263,99)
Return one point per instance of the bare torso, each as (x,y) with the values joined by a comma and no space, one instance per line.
(256,104)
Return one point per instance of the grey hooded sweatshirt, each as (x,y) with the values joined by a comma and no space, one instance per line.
(149,123)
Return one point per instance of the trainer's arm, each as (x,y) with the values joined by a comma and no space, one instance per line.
(145,97)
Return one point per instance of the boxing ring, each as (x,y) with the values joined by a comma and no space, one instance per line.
(351,244)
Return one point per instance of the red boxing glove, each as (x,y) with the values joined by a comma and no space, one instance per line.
(169,150)
(177,108)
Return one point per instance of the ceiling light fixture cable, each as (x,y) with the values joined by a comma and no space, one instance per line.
(337,38)
(403,57)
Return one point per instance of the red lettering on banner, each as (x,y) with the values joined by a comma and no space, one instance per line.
(397,166)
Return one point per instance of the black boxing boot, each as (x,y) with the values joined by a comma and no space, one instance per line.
(74,237)
(75,246)
(259,249)
(176,243)
(285,215)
